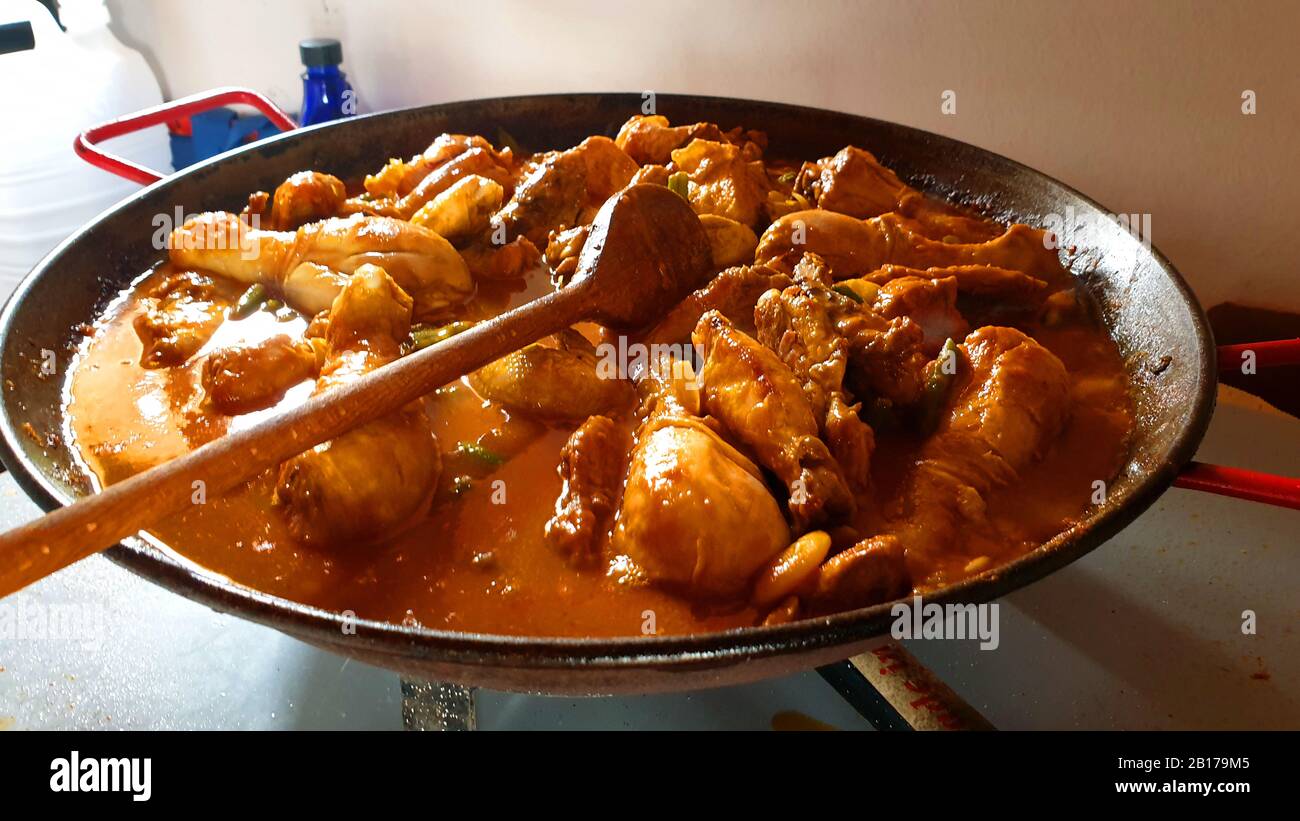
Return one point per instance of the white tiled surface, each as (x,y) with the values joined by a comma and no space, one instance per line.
(1144,632)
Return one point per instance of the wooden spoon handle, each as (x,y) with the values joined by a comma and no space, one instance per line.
(41,547)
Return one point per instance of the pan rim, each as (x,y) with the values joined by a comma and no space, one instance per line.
(707,649)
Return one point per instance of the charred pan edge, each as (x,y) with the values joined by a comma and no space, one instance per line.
(634,663)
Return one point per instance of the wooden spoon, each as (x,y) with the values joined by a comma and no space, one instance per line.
(645,252)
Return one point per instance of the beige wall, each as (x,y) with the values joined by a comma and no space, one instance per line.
(1137,104)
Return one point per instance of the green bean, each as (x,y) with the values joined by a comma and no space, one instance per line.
(937,387)
(249,301)
(677,184)
(848,292)
(422,336)
(272,305)
(479,452)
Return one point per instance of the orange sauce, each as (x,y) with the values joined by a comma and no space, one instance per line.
(474,564)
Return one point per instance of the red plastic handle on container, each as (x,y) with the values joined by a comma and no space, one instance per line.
(1283,491)
(86,143)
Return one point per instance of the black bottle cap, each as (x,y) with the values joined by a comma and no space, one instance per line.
(320,51)
(16,37)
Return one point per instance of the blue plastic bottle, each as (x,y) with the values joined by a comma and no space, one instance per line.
(326,94)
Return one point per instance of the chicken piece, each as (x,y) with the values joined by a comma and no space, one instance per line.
(854,248)
(871,572)
(398,178)
(359,486)
(731,242)
(930,303)
(798,323)
(651,140)
(549,199)
(244,378)
(669,386)
(695,513)
(1002,285)
(179,316)
(481,162)
(852,182)
(306,197)
(592,464)
(309,266)
(734,293)
(609,168)
(462,210)
(850,440)
(759,402)
(652,174)
(805,326)
(722,181)
(497,262)
(940,221)
(1008,402)
(558,378)
(562,252)
(835,344)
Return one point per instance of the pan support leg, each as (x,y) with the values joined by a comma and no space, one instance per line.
(437,705)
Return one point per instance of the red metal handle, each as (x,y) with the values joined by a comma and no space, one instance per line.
(1267,354)
(1282,491)
(86,143)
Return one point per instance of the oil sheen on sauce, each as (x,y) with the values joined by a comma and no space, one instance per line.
(473,564)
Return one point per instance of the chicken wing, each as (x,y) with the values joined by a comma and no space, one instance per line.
(399,178)
(179,316)
(930,303)
(733,292)
(244,378)
(852,182)
(592,464)
(309,266)
(650,140)
(357,487)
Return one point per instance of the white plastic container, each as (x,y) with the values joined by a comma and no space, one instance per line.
(68,82)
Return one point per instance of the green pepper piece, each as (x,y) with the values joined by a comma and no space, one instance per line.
(677,185)
(848,292)
(937,387)
(422,336)
(479,452)
(249,301)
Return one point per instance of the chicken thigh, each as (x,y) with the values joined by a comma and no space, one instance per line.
(1009,401)
(759,402)
(695,514)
